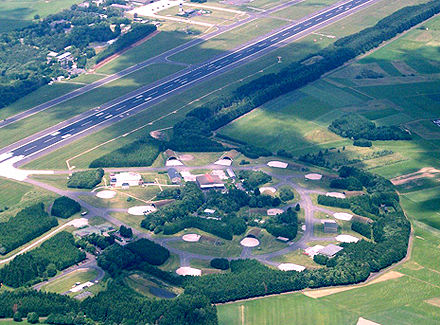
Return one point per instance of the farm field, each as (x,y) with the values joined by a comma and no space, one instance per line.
(19,130)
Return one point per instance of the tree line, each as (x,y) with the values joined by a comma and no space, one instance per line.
(86,179)
(29,223)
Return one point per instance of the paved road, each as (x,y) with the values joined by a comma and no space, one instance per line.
(88,122)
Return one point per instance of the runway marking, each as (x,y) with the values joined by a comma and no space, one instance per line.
(55,133)
(99,114)
(66,136)
(30,148)
(147,99)
(154,93)
(140,96)
(48,140)
(196,74)
(169,86)
(108,116)
(86,123)
(285,34)
(120,108)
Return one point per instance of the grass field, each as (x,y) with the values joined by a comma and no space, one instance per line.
(303,9)
(66,282)
(16,14)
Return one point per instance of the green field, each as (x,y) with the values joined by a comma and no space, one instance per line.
(15,14)
(66,282)
(303,9)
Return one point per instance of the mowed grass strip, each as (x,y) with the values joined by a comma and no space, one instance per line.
(38,122)
(66,282)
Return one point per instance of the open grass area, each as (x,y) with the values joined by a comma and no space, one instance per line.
(227,40)
(65,283)
(17,14)
(16,196)
(303,9)
(229,248)
(37,97)
(19,130)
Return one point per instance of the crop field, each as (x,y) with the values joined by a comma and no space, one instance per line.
(19,130)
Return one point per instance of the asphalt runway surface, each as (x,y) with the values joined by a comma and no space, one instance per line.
(125,107)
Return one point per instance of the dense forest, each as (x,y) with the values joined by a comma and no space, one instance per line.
(27,224)
(57,253)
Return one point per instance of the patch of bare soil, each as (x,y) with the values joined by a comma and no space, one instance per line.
(427,172)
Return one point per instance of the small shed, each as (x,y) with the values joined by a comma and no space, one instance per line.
(330,226)
(174,176)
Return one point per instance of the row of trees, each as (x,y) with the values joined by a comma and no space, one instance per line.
(57,253)
(27,224)
(221,111)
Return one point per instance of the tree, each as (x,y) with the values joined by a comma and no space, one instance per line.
(33,318)
(297,207)
(17,317)
(37,16)
(126,232)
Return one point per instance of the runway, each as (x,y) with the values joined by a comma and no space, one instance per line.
(151,95)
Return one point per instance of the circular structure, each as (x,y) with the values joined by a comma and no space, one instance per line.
(335,194)
(186,270)
(347,239)
(343,216)
(191,238)
(268,189)
(249,242)
(313,176)
(106,194)
(141,210)
(291,267)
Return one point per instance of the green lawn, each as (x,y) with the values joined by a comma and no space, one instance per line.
(66,282)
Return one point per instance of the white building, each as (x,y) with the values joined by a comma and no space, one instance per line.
(126,179)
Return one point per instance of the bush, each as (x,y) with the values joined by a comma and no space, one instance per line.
(286,194)
(333,201)
(220,263)
(320,259)
(126,232)
(362,143)
(64,207)
(252,179)
(349,183)
(86,179)
(149,251)
(17,317)
(33,318)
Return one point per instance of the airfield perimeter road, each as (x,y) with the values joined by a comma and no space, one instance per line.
(27,149)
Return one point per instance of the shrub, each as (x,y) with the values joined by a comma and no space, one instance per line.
(286,194)
(17,317)
(320,259)
(64,207)
(33,318)
(362,143)
(149,251)
(220,263)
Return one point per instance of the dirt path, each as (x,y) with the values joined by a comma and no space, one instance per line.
(118,54)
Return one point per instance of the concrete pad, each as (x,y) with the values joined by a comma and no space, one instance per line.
(363,321)
(343,216)
(249,242)
(141,210)
(277,164)
(191,238)
(336,194)
(347,239)
(187,176)
(106,194)
(173,162)
(223,162)
(269,189)
(79,223)
(274,211)
(186,270)
(8,170)
(313,176)
(291,267)
(312,251)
